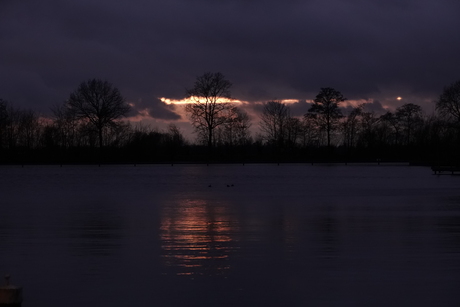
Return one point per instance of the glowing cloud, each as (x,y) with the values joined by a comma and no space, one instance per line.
(288,101)
(193,99)
(140,116)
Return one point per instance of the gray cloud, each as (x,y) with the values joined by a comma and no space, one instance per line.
(156,109)
(368,106)
(299,109)
(268,49)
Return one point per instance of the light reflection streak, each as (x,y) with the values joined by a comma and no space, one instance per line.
(197,238)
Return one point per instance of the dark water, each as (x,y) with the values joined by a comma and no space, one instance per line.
(289,235)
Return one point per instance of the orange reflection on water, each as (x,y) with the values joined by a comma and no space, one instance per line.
(197,238)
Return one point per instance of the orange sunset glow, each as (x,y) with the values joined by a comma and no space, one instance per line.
(169,101)
(193,99)
(195,233)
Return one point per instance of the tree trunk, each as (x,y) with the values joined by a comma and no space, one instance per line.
(209,138)
(100,137)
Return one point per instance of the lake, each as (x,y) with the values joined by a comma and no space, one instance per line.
(231,235)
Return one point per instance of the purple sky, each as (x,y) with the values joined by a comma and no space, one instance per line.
(375,50)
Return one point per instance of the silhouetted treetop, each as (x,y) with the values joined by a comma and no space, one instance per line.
(206,111)
(408,115)
(274,121)
(99,102)
(211,87)
(326,106)
(448,104)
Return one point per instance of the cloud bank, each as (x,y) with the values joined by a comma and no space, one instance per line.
(375,50)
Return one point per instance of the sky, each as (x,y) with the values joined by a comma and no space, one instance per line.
(372,51)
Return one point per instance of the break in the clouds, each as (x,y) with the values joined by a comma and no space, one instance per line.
(371,50)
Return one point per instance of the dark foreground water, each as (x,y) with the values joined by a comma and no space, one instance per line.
(289,235)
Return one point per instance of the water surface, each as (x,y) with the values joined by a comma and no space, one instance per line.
(231,235)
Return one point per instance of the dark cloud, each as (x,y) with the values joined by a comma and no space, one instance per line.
(298,109)
(268,49)
(367,106)
(375,106)
(155,108)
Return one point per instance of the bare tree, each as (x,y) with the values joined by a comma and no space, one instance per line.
(274,121)
(350,126)
(368,135)
(209,108)
(409,115)
(390,122)
(29,128)
(175,136)
(294,131)
(235,131)
(99,103)
(448,104)
(66,125)
(241,124)
(310,130)
(19,127)
(12,126)
(3,121)
(326,106)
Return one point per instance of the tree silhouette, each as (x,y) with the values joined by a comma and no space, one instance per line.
(209,108)
(235,131)
(350,126)
(448,105)
(66,125)
(393,127)
(294,130)
(409,115)
(310,132)
(99,103)
(3,121)
(369,122)
(274,122)
(326,106)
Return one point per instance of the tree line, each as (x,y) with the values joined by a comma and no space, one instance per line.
(89,127)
